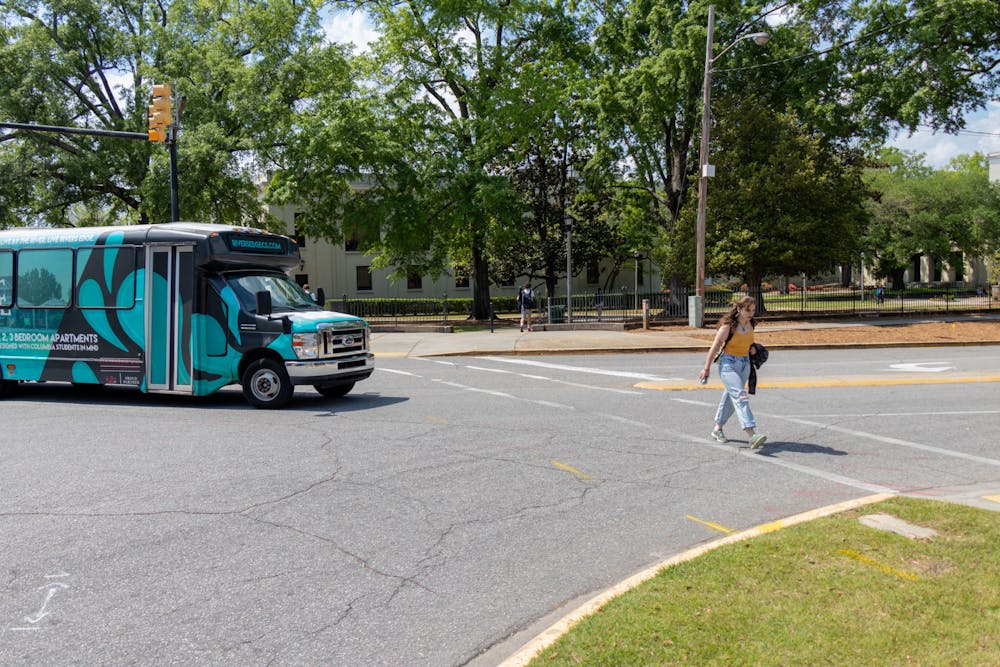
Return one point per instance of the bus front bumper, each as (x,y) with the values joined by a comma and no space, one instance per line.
(331,371)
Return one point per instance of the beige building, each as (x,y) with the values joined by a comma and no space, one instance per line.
(341,270)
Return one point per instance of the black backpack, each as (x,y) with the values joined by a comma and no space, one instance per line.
(527,298)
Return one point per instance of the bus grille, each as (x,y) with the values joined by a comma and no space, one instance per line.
(340,342)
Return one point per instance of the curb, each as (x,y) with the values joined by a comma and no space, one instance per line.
(548,636)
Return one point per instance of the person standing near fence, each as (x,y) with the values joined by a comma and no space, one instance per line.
(733,347)
(525,302)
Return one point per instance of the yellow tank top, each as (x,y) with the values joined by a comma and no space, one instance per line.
(739,344)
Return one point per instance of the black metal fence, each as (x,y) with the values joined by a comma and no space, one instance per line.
(673,305)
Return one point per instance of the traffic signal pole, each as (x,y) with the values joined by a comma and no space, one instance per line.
(75,130)
(163,128)
(175,214)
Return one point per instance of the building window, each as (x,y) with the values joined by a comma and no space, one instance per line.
(461,277)
(593,273)
(957,264)
(507,282)
(356,239)
(300,238)
(364,278)
(414,281)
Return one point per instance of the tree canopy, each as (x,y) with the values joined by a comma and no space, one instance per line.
(943,213)
(245,69)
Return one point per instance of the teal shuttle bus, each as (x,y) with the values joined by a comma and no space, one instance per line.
(175,308)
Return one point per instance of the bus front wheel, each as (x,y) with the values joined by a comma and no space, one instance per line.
(334,390)
(266,384)
(8,387)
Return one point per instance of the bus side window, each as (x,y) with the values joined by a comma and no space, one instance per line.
(44,277)
(6,278)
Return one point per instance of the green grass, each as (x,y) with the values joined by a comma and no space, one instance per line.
(831,592)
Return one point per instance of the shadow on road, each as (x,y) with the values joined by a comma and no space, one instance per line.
(229,398)
(771,448)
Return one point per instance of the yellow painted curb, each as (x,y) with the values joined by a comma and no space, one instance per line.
(548,636)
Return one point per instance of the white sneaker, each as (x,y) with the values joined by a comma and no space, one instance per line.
(719,436)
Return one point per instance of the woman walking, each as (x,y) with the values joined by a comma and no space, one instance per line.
(734,344)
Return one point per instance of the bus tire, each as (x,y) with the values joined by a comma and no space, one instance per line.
(8,388)
(266,384)
(334,390)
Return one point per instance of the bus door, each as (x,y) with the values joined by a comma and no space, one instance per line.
(169,307)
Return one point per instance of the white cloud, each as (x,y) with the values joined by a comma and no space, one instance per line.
(344,27)
(982,133)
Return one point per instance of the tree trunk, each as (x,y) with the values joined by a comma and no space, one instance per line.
(755,288)
(480,281)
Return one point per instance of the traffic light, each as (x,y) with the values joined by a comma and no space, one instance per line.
(160,113)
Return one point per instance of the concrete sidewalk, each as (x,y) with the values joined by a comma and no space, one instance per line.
(510,341)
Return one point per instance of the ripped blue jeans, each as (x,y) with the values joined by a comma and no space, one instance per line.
(734,372)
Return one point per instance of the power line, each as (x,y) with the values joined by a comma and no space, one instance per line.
(823,52)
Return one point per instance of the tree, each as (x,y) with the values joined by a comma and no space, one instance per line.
(785,199)
(942,213)
(245,69)
(921,61)
(38,286)
(456,86)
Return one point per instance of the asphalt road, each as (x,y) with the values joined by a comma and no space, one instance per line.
(446,510)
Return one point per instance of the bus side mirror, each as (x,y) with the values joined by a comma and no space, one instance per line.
(263,303)
(320,296)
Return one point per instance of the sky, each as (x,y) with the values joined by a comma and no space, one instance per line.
(981,133)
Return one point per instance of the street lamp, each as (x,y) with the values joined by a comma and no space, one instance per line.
(696,304)
(568,220)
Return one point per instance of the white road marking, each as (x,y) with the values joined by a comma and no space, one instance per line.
(580,369)
(550,404)
(392,370)
(922,367)
(503,394)
(51,589)
(623,420)
(862,415)
(805,470)
(888,440)
(628,392)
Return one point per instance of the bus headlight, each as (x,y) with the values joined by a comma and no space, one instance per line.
(306,345)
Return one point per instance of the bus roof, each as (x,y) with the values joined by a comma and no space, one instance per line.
(221,246)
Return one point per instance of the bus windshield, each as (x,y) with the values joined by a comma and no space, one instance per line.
(285,294)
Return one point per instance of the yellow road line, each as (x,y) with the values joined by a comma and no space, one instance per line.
(843,381)
(436,420)
(571,469)
(710,524)
(995,499)
(868,561)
